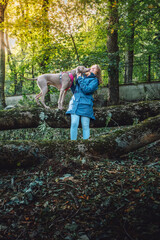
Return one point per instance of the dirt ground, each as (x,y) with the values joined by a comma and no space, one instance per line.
(81,199)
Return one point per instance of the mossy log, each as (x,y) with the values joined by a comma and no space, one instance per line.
(120,115)
(112,145)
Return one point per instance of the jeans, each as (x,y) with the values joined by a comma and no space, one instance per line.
(85,121)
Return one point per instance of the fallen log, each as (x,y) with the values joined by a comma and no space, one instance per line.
(18,153)
(120,115)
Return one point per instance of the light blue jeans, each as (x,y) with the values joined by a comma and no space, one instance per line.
(85,121)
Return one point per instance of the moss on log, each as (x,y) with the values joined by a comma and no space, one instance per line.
(13,154)
(19,118)
(116,116)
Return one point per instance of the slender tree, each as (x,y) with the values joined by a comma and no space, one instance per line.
(3,5)
(113,52)
(129,56)
(45,35)
(64,9)
(12,63)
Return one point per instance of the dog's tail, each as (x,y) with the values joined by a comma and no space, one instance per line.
(31,79)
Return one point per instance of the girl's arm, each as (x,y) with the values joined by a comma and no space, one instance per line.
(90,88)
(73,87)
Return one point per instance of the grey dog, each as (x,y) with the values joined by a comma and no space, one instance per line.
(62,81)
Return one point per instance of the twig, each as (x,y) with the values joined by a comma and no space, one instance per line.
(127,232)
(114,122)
(75,213)
(70,216)
(66,184)
(75,200)
(119,208)
(20,235)
(89,155)
(153,164)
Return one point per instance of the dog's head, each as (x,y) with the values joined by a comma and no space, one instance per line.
(82,69)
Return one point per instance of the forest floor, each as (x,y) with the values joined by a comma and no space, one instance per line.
(83,199)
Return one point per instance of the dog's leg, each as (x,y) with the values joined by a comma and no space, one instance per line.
(37,98)
(66,82)
(59,99)
(62,98)
(44,91)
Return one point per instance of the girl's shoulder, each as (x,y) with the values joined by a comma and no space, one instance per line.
(91,77)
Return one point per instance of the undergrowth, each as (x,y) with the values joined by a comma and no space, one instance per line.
(44,132)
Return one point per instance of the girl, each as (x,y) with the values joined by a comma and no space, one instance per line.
(81,103)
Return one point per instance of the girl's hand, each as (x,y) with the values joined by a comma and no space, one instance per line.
(79,75)
(87,73)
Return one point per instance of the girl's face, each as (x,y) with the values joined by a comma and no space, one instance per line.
(94,69)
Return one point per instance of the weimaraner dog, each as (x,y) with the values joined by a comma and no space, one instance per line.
(62,81)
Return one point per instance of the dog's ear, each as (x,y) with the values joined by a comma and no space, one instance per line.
(77,70)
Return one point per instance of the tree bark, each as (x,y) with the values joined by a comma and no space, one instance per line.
(129,57)
(45,42)
(113,53)
(107,116)
(2,56)
(12,64)
(149,68)
(129,66)
(110,146)
(45,36)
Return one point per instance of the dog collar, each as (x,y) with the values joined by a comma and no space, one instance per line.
(70,76)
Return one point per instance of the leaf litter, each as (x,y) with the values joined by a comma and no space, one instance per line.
(81,199)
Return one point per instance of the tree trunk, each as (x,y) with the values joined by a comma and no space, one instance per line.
(45,34)
(110,146)
(2,58)
(129,57)
(33,83)
(12,64)
(129,66)
(149,68)
(113,53)
(45,39)
(62,6)
(106,116)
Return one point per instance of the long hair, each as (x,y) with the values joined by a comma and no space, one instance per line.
(98,75)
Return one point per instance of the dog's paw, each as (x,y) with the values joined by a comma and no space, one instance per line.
(60,107)
(47,107)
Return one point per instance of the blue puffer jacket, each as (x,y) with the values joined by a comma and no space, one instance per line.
(81,102)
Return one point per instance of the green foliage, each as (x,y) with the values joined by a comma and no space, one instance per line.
(108,118)
(27,101)
(136,121)
(142,19)
(53,37)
